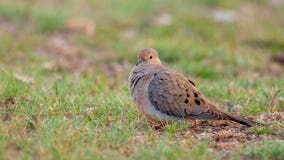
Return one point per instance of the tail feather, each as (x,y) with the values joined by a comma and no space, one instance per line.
(239,119)
(224,115)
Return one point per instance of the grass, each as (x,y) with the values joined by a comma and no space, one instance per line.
(86,112)
(267,150)
(48,21)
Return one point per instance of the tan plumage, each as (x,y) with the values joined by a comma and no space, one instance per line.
(162,94)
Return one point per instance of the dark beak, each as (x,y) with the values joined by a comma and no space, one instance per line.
(139,62)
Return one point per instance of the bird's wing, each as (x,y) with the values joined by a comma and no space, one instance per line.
(175,95)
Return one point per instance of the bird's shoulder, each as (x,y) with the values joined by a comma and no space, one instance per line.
(163,75)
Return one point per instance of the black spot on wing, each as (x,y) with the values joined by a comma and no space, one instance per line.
(196,101)
(186,101)
(191,82)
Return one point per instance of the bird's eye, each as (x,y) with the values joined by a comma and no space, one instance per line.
(150,57)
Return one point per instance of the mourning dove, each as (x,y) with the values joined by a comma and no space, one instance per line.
(162,94)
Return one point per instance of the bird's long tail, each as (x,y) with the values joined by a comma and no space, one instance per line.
(224,115)
(240,120)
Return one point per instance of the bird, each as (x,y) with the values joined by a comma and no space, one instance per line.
(163,95)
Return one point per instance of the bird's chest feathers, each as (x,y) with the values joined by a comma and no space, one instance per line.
(139,92)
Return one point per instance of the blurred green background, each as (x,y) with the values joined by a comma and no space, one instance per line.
(64,67)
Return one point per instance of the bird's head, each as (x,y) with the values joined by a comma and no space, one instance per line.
(148,56)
